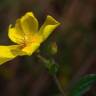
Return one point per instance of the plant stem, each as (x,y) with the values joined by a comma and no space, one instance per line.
(54,76)
(59,85)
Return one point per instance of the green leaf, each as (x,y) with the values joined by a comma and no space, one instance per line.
(83,85)
(53,69)
(50,64)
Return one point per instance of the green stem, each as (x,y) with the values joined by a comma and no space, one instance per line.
(54,76)
(59,85)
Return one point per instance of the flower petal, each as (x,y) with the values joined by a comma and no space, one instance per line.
(29,23)
(6,53)
(49,25)
(16,33)
(30,49)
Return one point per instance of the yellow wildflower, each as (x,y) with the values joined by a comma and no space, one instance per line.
(27,37)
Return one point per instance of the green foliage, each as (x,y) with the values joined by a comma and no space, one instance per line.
(50,64)
(83,85)
(53,67)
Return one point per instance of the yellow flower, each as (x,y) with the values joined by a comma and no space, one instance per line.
(27,37)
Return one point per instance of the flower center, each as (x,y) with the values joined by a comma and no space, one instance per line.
(31,39)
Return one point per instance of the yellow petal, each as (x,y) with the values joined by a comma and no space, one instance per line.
(29,23)
(16,33)
(49,25)
(31,48)
(6,53)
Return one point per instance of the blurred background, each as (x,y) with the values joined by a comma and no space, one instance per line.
(75,38)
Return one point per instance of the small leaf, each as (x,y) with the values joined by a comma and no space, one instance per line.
(53,69)
(50,64)
(83,85)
